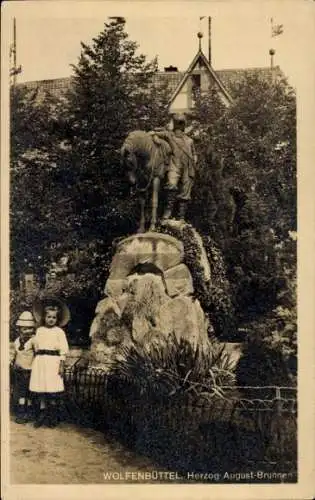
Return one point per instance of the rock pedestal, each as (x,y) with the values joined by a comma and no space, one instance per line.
(148,296)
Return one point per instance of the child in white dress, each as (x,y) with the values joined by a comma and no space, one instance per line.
(50,346)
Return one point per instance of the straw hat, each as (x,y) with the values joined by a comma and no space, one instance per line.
(25,319)
(39,309)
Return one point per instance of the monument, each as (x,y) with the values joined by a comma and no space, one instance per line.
(150,296)
(159,278)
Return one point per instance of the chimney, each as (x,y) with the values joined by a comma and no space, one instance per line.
(209,39)
(171,69)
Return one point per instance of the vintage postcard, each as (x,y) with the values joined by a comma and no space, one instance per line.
(157,278)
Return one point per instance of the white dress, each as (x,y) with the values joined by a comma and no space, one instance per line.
(45,367)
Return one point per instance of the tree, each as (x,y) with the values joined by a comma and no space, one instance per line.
(39,200)
(247,185)
(67,186)
(66,179)
(267,109)
(222,168)
(112,94)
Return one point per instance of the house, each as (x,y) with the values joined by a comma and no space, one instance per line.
(181,84)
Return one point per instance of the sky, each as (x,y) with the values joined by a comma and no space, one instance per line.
(49,33)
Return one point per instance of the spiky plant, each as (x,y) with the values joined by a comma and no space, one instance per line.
(174,368)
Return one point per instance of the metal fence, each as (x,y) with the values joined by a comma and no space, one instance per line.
(248,426)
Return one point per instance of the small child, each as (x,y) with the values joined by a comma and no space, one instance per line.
(22,363)
(51,347)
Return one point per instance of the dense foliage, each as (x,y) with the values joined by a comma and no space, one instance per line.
(270,350)
(67,186)
(111,95)
(67,146)
(174,368)
(39,201)
(245,194)
(245,199)
(68,189)
(214,295)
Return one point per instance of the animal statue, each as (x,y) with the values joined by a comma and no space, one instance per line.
(146,159)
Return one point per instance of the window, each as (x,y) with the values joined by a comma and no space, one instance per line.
(196,81)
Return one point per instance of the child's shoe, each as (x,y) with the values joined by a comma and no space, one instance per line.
(31,414)
(40,419)
(52,419)
(21,415)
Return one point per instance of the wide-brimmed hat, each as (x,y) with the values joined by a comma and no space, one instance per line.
(25,319)
(39,309)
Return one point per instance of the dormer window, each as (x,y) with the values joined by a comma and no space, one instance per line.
(196,81)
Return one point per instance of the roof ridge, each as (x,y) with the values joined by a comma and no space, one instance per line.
(211,70)
(169,72)
(230,70)
(248,69)
(47,80)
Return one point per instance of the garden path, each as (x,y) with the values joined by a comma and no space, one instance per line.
(68,454)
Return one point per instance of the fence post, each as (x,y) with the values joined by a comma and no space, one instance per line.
(279,423)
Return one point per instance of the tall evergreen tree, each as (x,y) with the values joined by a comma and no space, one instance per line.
(111,95)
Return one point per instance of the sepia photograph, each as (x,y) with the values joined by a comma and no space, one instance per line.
(152,315)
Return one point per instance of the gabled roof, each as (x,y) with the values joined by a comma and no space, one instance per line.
(228,79)
(200,57)
(56,86)
(232,77)
(172,79)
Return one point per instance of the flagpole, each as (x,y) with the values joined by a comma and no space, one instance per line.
(276,30)
(14,52)
(209,40)
(200,32)
(14,70)
(271,51)
(209,35)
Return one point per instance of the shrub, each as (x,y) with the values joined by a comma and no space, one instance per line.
(270,353)
(214,295)
(174,368)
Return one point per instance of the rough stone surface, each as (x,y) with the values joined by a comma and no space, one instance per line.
(149,297)
(161,250)
(178,281)
(102,355)
(122,301)
(115,287)
(184,317)
(106,307)
(142,309)
(106,343)
(107,334)
(123,263)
